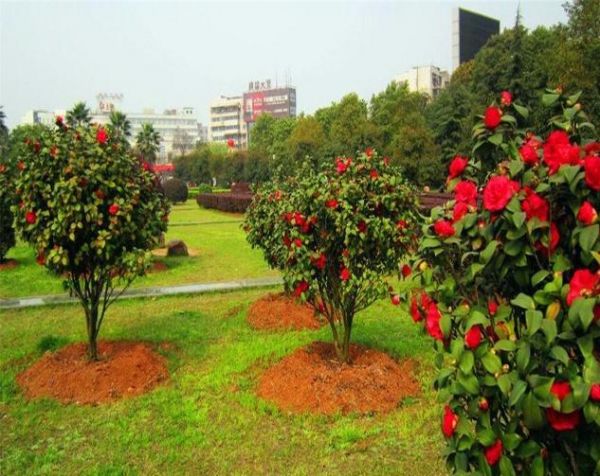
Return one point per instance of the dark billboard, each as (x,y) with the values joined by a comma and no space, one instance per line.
(278,102)
(474,30)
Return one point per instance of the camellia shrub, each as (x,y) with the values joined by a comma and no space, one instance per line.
(176,190)
(336,233)
(91,210)
(7,192)
(508,287)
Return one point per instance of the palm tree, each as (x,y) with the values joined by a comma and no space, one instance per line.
(79,115)
(120,123)
(147,142)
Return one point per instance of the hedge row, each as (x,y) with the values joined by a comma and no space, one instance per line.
(226,202)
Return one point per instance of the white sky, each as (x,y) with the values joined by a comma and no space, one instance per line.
(173,54)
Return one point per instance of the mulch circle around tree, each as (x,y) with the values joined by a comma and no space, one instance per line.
(9,264)
(124,369)
(280,312)
(312,380)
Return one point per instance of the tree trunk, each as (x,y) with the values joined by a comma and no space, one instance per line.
(92,328)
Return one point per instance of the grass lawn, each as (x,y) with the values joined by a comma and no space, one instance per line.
(223,254)
(207,420)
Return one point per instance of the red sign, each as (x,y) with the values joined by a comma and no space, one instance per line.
(163,168)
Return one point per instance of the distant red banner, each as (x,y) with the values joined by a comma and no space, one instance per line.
(163,168)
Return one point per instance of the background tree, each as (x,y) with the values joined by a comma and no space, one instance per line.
(91,210)
(182,141)
(7,192)
(148,142)
(120,124)
(79,115)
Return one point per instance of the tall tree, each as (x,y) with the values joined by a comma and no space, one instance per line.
(79,115)
(182,141)
(120,124)
(148,142)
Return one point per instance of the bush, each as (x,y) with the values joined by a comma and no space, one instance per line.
(91,210)
(510,287)
(335,233)
(225,202)
(176,190)
(7,198)
(204,188)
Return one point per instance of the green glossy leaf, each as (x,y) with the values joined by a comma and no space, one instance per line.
(588,237)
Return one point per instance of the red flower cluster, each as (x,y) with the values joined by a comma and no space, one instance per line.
(562,421)
(498,192)
(584,283)
(558,151)
(529,151)
(587,214)
(301,287)
(341,165)
(345,274)
(333,203)
(492,117)
(101,135)
(443,228)
(466,192)
(319,262)
(457,166)
(535,205)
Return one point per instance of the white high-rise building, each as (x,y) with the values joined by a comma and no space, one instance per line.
(425,79)
(227,121)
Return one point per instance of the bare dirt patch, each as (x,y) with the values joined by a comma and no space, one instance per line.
(124,369)
(278,312)
(9,264)
(312,380)
(162,252)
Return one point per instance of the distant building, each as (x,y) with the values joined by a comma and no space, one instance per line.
(425,79)
(263,98)
(470,32)
(227,121)
(202,133)
(173,125)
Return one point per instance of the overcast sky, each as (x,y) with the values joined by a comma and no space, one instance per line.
(169,55)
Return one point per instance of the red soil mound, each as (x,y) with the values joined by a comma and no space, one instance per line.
(125,369)
(280,312)
(9,264)
(313,380)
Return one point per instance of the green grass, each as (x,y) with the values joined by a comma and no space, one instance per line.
(223,254)
(207,419)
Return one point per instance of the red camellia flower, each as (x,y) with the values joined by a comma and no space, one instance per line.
(443,228)
(402,225)
(584,283)
(506,98)
(554,241)
(415,313)
(333,203)
(30,217)
(432,321)
(298,243)
(341,165)
(535,205)
(459,211)
(558,151)
(37,146)
(319,262)
(287,241)
(591,165)
(53,151)
(595,392)
(113,209)
(406,271)
(373,174)
(362,226)
(101,135)
(529,154)
(457,166)
(369,152)
(300,288)
(40,259)
(59,120)
(473,337)
(395,299)
(494,453)
(466,192)
(563,421)
(561,389)
(230,143)
(593,148)
(21,165)
(492,307)
(587,214)
(449,422)
(498,192)
(492,117)
(345,274)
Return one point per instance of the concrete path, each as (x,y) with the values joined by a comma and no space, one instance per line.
(33,301)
